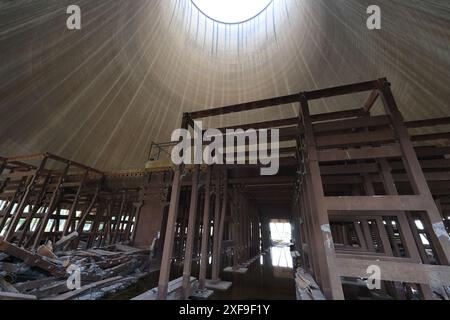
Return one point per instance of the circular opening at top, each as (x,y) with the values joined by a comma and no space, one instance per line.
(231,11)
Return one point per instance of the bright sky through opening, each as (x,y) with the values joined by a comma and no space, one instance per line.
(231,11)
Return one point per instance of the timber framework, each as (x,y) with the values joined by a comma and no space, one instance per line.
(359,186)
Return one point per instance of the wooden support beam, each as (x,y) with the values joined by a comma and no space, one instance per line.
(210,112)
(16,296)
(396,271)
(31,259)
(373,97)
(216,231)
(331,282)
(188,255)
(24,201)
(71,295)
(169,237)
(205,230)
(73,209)
(85,215)
(378,203)
(118,220)
(341,90)
(359,154)
(34,209)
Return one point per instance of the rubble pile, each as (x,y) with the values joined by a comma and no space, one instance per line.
(50,273)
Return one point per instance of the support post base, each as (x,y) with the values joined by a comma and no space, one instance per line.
(201,294)
(218,285)
(238,270)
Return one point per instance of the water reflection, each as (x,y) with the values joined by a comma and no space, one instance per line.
(270,279)
(281,257)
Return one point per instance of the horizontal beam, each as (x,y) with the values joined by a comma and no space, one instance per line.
(347,139)
(377,203)
(341,90)
(432,275)
(359,154)
(18,160)
(428,122)
(310,95)
(432,136)
(245,106)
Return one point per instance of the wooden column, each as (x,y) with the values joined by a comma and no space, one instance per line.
(217,233)
(223,217)
(235,229)
(187,268)
(332,284)
(205,231)
(166,261)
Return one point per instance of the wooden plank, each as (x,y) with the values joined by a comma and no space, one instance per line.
(341,90)
(172,287)
(428,122)
(128,249)
(346,124)
(123,268)
(359,154)
(9,267)
(371,99)
(355,138)
(76,293)
(65,240)
(377,203)
(210,112)
(31,259)
(16,296)
(31,285)
(55,288)
(8,287)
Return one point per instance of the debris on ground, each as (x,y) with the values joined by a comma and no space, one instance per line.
(50,273)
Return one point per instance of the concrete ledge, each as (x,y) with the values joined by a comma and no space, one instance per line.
(174,291)
(238,270)
(218,285)
(201,294)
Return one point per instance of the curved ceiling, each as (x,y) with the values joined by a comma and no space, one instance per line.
(231,11)
(102,94)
